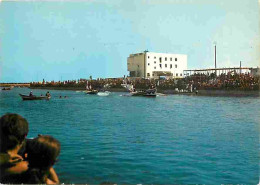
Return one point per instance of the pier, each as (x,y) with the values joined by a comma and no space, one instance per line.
(15,84)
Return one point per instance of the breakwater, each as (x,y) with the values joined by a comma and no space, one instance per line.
(233,93)
(15,84)
(202,92)
(207,85)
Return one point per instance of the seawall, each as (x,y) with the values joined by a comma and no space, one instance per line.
(233,93)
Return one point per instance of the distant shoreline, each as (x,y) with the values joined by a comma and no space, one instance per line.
(227,93)
(15,84)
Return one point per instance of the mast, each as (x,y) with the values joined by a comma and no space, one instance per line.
(240,68)
(215,59)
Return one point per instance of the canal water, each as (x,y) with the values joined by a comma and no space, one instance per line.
(135,140)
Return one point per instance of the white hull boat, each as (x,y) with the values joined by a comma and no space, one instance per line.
(106,93)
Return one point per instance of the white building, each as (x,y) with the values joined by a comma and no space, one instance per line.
(255,72)
(153,65)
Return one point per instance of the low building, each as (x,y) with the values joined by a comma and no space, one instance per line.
(255,72)
(154,65)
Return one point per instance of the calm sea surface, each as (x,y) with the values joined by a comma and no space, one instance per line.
(163,140)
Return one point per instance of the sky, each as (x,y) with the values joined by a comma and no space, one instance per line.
(66,40)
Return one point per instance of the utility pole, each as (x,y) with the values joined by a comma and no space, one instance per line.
(145,62)
(240,68)
(215,59)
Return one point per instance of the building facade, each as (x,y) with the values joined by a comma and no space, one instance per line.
(255,72)
(154,65)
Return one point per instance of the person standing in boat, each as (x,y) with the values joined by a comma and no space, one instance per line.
(48,94)
(31,93)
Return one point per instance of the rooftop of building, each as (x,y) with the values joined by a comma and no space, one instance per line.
(155,53)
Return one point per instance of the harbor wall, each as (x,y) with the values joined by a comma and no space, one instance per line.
(15,84)
(77,88)
(233,93)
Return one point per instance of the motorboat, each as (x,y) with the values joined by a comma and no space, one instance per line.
(91,91)
(128,87)
(146,93)
(132,92)
(105,93)
(32,97)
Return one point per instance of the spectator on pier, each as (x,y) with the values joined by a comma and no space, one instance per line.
(13,131)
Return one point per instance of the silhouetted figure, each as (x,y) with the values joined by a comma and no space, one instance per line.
(13,131)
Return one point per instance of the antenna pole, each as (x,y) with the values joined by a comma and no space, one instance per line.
(215,59)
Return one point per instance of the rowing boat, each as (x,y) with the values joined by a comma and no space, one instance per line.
(24,97)
(7,88)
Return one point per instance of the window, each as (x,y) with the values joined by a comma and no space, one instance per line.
(175,65)
(165,65)
(154,57)
(148,64)
(160,65)
(165,58)
(148,74)
(171,59)
(155,62)
(176,74)
(175,59)
(153,74)
(148,56)
(138,65)
(154,67)
(170,65)
(181,74)
(160,59)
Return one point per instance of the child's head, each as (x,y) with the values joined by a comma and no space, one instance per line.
(13,130)
(42,152)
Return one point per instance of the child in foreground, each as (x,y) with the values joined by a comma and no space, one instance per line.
(42,153)
(13,131)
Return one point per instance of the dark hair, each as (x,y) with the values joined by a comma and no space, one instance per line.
(41,155)
(42,152)
(13,130)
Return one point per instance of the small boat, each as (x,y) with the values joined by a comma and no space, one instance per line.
(160,94)
(7,88)
(25,97)
(146,93)
(141,93)
(128,87)
(91,92)
(106,93)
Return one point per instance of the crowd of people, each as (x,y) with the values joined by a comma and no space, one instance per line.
(223,81)
(199,81)
(22,160)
